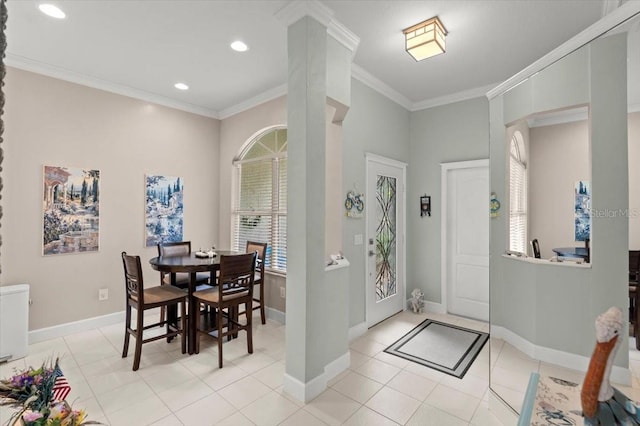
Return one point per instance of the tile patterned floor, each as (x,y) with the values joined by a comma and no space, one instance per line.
(175,389)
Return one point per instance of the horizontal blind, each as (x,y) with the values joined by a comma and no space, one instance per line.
(517,206)
(261,209)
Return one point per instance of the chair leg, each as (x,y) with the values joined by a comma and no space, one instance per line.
(249,313)
(127,335)
(139,329)
(197,332)
(262,315)
(219,316)
(183,335)
(163,311)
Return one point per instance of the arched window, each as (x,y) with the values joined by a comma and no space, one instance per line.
(260,210)
(517,194)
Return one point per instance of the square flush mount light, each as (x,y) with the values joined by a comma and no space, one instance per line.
(425,39)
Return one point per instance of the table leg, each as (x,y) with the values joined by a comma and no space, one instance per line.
(192,333)
(172,310)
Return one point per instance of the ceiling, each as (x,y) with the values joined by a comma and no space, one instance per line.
(141,48)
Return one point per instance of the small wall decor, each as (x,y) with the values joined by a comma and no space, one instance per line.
(494,205)
(425,205)
(164,209)
(582,212)
(354,204)
(71,210)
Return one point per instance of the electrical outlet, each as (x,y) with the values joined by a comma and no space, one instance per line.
(103,294)
(282,292)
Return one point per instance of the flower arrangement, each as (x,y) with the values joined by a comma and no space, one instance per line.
(39,394)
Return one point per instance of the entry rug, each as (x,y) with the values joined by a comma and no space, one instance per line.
(443,347)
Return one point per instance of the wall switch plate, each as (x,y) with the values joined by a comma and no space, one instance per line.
(357,240)
(103,294)
(282,292)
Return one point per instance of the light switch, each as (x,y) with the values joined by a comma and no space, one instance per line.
(357,240)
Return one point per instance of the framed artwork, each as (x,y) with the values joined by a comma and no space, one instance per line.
(71,210)
(582,210)
(164,209)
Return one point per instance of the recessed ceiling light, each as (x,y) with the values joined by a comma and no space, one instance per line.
(181,86)
(239,46)
(51,10)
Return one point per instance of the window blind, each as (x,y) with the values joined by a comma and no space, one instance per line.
(260,212)
(517,205)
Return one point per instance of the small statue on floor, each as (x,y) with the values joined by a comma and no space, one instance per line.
(417,301)
(597,393)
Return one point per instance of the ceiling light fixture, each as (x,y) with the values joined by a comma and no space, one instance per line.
(181,86)
(239,46)
(425,39)
(51,10)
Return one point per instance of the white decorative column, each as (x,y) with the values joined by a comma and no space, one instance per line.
(319,82)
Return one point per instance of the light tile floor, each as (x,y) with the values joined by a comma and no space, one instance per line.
(175,389)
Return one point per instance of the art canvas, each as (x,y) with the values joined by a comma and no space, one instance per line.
(164,209)
(582,212)
(71,210)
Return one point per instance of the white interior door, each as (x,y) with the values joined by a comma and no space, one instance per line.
(385,208)
(467,239)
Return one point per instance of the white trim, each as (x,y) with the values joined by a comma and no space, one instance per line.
(560,117)
(253,102)
(375,158)
(619,374)
(297,9)
(476,92)
(61,330)
(357,331)
(305,392)
(275,315)
(444,169)
(53,71)
(616,17)
(379,86)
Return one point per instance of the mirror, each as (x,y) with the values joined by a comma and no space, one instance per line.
(543,311)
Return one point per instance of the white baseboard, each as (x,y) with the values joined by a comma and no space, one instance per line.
(437,308)
(275,315)
(357,331)
(305,392)
(553,356)
(66,329)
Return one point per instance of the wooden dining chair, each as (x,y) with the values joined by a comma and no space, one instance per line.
(258,297)
(142,299)
(535,246)
(235,288)
(181,248)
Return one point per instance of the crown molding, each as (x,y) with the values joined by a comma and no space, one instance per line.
(267,96)
(625,12)
(298,9)
(363,76)
(452,98)
(37,67)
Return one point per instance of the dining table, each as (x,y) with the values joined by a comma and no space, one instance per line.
(575,252)
(190,264)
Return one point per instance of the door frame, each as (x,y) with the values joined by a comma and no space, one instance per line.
(445,168)
(401,245)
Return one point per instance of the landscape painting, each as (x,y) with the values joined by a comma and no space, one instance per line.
(71,210)
(164,210)
(582,212)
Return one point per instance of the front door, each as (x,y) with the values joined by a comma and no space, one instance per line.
(385,201)
(466,239)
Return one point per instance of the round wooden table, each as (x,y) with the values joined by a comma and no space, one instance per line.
(189,264)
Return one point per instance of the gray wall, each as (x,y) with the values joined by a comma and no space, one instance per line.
(377,125)
(52,122)
(449,133)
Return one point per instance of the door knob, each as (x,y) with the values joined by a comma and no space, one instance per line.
(372,253)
